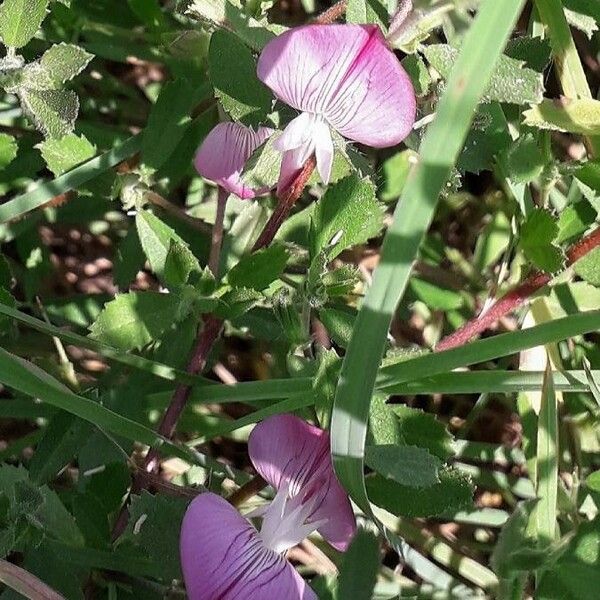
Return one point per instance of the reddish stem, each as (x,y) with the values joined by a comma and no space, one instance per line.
(516,297)
(332,14)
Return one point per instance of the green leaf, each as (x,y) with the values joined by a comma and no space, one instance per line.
(157,238)
(525,161)
(435,297)
(582,22)
(62,155)
(20,20)
(368,11)
(511,81)
(8,149)
(588,267)
(153,527)
(263,167)
(339,324)
(537,236)
(233,75)
(533,51)
(573,116)
(547,461)
(236,302)
(577,573)
(53,112)
(418,73)
(412,466)
(133,320)
(593,481)
(360,565)
(453,493)
(585,7)
(259,269)
(59,64)
(395,174)
(574,220)
(149,12)
(324,384)
(348,214)
(180,263)
(169,119)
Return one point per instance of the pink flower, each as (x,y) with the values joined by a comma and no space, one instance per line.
(223,154)
(342,77)
(224,558)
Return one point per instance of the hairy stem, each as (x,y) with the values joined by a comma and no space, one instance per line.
(516,297)
(332,14)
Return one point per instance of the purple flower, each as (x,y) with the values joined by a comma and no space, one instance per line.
(342,77)
(223,154)
(225,558)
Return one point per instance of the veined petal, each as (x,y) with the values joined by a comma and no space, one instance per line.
(291,164)
(287,451)
(224,152)
(223,558)
(297,133)
(345,73)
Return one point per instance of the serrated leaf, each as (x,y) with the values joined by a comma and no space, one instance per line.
(53,112)
(360,565)
(453,493)
(63,154)
(582,22)
(153,527)
(573,116)
(411,466)
(156,239)
(8,149)
(259,269)
(511,82)
(348,214)
(20,20)
(236,302)
(233,74)
(59,64)
(133,320)
(588,267)
(537,237)
(525,160)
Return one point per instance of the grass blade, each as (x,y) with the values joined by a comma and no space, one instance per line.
(21,205)
(547,462)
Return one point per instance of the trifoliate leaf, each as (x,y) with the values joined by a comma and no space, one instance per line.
(537,241)
(8,149)
(20,20)
(511,81)
(133,320)
(62,155)
(53,112)
(573,116)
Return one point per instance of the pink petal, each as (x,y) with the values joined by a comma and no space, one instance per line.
(223,558)
(285,450)
(324,151)
(291,164)
(223,154)
(347,74)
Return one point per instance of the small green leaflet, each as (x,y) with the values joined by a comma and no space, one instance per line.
(409,465)
(133,320)
(511,81)
(59,64)
(348,214)
(588,267)
(20,20)
(525,160)
(573,116)
(233,75)
(360,564)
(52,111)
(537,241)
(368,11)
(63,154)
(8,149)
(259,269)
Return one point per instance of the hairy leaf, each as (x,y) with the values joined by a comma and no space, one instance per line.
(20,20)
(63,154)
